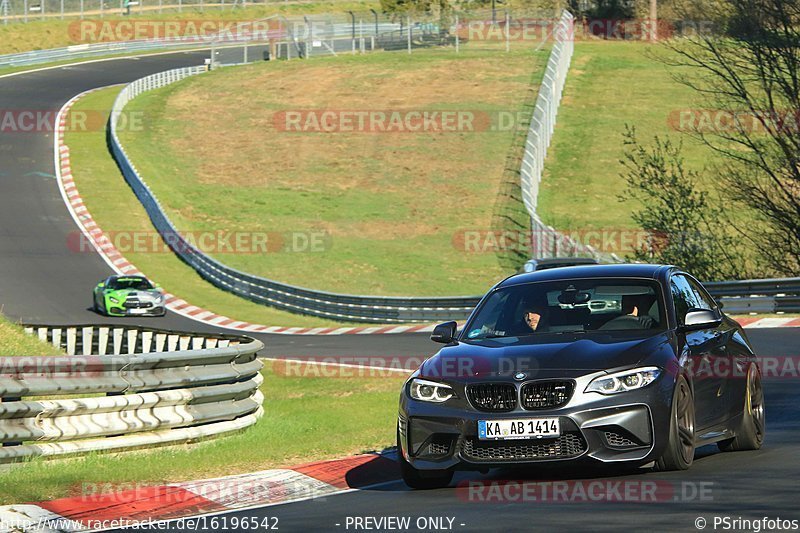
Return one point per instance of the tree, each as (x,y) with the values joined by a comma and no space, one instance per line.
(686,226)
(750,69)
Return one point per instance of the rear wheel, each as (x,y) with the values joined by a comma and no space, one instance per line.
(750,434)
(422,479)
(680,448)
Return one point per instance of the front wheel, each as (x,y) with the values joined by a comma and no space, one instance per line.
(680,447)
(422,479)
(96,308)
(750,434)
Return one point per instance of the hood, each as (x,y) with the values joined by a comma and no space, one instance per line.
(541,356)
(124,294)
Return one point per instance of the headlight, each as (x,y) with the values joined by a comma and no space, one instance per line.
(159,298)
(430,391)
(113,300)
(624,381)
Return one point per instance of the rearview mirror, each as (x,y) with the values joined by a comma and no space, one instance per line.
(444,333)
(701,319)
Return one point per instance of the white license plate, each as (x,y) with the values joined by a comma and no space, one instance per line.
(138,311)
(523,428)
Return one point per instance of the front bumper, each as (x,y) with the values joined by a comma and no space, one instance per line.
(629,427)
(119,310)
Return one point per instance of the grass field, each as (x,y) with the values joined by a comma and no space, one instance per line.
(390,204)
(55,33)
(114,206)
(14,341)
(610,84)
(301,423)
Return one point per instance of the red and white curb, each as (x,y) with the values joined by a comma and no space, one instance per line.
(121,265)
(99,507)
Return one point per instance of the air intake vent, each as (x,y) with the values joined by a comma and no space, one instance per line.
(496,397)
(546,394)
(566,446)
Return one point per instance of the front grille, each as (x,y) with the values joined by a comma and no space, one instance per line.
(493,396)
(546,394)
(619,441)
(566,446)
(136,304)
(438,448)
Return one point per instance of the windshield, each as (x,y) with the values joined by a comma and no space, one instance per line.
(134,284)
(572,306)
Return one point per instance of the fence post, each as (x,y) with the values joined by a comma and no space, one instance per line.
(458,41)
(408,22)
(81,9)
(62,10)
(25,7)
(508,32)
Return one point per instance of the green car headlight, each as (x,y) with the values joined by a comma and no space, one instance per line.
(113,300)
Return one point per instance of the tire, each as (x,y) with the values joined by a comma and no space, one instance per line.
(422,479)
(751,430)
(679,453)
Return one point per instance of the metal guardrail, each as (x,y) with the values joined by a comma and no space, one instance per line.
(758,295)
(171,387)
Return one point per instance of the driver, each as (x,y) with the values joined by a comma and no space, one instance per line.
(534,317)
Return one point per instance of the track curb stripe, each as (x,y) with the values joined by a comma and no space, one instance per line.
(207,496)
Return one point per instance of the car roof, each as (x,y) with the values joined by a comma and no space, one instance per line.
(621,270)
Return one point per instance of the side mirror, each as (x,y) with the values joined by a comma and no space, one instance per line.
(100,285)
(700,319)
(444,333)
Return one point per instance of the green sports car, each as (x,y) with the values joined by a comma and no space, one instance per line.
(128,296)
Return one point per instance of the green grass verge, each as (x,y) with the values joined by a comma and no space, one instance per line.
(115,208)
(393,204)
(305,419)
(610,84)
(14,341)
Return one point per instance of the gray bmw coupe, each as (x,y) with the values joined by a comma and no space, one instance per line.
(630,364)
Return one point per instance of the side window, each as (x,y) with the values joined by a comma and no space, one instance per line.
(704,301)
(683,296)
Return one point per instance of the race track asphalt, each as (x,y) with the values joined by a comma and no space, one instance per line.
(749,485)
(42,280)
